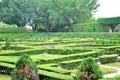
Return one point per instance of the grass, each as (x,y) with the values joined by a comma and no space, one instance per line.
(114,78)
(5,77)
(117,64)
(104,70)
(108,70)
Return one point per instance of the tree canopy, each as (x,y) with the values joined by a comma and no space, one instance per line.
(53,14)
(111,22)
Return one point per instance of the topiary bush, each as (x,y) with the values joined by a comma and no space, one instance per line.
(89,70)
(25,69)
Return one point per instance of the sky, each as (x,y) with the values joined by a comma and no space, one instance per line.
(108,8)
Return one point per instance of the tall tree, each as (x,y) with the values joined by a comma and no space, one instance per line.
(19,12)
(68,12)
(52,13)
(111,22)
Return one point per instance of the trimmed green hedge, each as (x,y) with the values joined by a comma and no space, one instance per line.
(73,64)
(53,75)
(108,58)
(50,51)
(14,30)
(90,27)
(72,57)
(54,69)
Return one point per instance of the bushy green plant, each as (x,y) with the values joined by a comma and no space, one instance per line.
(13,29)
(0,47)
(25,69)
(7,44)
(89,70)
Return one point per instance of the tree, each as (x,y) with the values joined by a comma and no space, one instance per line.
(66,12)
(25,69)
(51,13)
(111,22)
(89,70)
(19,12)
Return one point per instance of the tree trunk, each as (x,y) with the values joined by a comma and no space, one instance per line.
(70,27)
(34,28)
(47,25)
(112,28)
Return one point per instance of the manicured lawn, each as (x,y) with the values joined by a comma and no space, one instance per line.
(104,70)
(117,64)
(4,77)
(107,70)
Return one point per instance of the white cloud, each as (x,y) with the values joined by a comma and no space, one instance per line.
(108,8)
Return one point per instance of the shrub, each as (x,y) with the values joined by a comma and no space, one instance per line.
(89,70)
(90,27)
(25,69)
(0,47)
(13,29)
(7,44)
(108,58)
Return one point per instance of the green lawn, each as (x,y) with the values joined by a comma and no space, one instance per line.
(108,70)
(103,69)
(117,64)
(4,77)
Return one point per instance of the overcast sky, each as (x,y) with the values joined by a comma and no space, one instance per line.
(108,8)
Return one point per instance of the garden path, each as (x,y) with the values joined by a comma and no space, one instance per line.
(112,74)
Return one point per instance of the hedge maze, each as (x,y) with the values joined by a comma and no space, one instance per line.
(57,57)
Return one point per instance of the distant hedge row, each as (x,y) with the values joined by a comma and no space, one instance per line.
(14,30)
(90,27)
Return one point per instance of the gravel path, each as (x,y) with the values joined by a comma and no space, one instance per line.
(112,74)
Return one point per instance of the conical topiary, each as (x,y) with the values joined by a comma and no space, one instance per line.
(25,69)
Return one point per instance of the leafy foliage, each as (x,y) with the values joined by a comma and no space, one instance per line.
(7,44)
(13,29)
(89,70)
(25,69)
(53,14)
(17,12)
(111,22)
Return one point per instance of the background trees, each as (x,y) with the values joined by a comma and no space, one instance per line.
(19,12)
(61,13)
(111,22)
(53,14)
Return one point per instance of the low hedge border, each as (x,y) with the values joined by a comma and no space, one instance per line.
(54,69)
(72,57)
(54,75)
(108,58)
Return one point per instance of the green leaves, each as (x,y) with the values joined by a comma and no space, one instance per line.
(89,69)
(53,14)
(111,22)
(18,12)
(25,69)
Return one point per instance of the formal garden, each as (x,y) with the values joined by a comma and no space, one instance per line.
(60,56)
(58,40)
